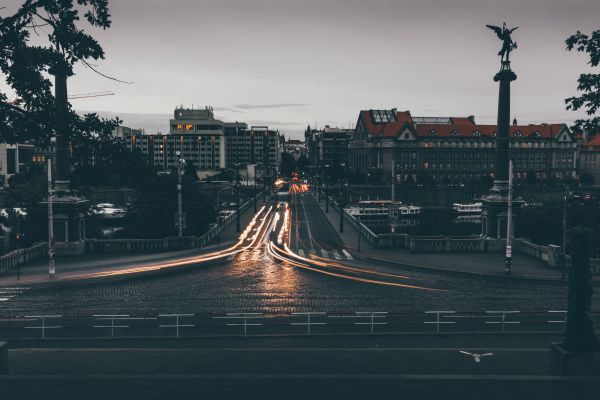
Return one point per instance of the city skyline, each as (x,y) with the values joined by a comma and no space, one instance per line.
(287,65)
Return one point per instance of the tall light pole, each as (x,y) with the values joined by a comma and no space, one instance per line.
(51,265)
(508,269)
(237,201)
(564,234)
(342,201)
(180,172)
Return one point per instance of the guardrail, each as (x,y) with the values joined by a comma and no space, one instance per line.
(23,256)
(179,325)
(169,243)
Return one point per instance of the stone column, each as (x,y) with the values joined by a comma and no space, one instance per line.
(495,204)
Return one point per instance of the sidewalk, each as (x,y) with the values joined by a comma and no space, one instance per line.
(487,264)
(69,267)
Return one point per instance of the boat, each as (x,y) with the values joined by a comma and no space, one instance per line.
(468,208)
(380,209)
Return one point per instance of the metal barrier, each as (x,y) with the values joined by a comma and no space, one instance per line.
(161,325)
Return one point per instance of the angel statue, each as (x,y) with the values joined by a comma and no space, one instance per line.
(507,44)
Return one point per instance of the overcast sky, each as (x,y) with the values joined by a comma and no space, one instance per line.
(288,63)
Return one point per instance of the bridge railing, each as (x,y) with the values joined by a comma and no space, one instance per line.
(23,256)
(186,323)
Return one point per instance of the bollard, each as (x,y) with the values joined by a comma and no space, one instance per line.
(3,358)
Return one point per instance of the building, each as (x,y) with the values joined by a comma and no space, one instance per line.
(589,162)
(328,146)
(257,146)
(456,150)
(295,147)
(209,144)
(13,158)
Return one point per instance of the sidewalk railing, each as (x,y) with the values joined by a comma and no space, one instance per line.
(23,256)
(35,325)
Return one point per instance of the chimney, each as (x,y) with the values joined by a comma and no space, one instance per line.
(472,119)
(515,121)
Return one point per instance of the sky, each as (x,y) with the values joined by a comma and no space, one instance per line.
(290,63)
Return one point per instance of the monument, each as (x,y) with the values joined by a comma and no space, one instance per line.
(495,214)
(68,209)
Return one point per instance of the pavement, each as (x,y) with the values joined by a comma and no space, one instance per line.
(70,268)
(349,367)
(479,264)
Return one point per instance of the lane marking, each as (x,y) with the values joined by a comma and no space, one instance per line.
(336,255)
(324,253)
(348,255)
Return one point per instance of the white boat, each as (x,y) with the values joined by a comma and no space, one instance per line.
(407,211)
(471,208)
(378,209)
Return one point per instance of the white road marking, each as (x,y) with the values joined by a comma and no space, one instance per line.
(348,255)
(324,253)
(336,255)
(301,252)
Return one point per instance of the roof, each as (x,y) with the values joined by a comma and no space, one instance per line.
(386,128)
(592,145)
(472,130)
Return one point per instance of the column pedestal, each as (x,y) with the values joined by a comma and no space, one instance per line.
(69,223)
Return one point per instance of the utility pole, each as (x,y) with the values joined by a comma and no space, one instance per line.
(237,202)
(342,204)
(180,171)
(51,265)
(564,233)
(394,176)
(254,190)
(508,269)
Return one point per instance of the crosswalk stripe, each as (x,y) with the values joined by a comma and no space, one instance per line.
(301,252)
(324,253)
(336,255)
(348,255)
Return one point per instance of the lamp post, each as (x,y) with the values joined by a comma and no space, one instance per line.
(180,172)
(342,201)
(326,190)
(51,265)
(508,269)
(564,234)
(237,201)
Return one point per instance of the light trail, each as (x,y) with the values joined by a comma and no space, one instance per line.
(233,250)
(274,250)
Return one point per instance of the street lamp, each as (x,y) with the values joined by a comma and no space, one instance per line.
(180,172)
(342,202)
(237,201)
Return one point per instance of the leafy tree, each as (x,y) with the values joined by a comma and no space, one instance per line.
(288,164)
(28,61)
(530,178)
(579,334)
(302,163)
(588,84)
(586,179)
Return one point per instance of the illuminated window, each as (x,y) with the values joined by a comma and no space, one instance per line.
(189,127)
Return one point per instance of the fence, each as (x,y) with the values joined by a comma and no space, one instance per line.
(40,250)
(165,244)
(36,325)
(23,256)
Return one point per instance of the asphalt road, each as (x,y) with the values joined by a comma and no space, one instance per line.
(252,280)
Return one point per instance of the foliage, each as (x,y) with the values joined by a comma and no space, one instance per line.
(579,334)
(586,179)
(588,84)
(288,164)
(108,162)
(27,65)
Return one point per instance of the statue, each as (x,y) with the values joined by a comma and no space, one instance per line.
(507,43)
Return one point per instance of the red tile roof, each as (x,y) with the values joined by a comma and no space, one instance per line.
(461,127)
(592,145)
(466,131)
(386,128)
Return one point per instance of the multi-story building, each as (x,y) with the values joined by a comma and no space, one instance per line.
(589,162)
(257,146)
(13,158)
(451,150)
(328,146)
(295,147)
(207,143)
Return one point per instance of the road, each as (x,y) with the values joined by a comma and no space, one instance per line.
(308,271)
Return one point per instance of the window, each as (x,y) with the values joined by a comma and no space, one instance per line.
(432,132)
(455,132)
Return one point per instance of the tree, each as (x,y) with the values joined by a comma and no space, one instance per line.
(579,334)
(288,164)
(27,65)
(586,179)
(588,84)
(530,178)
